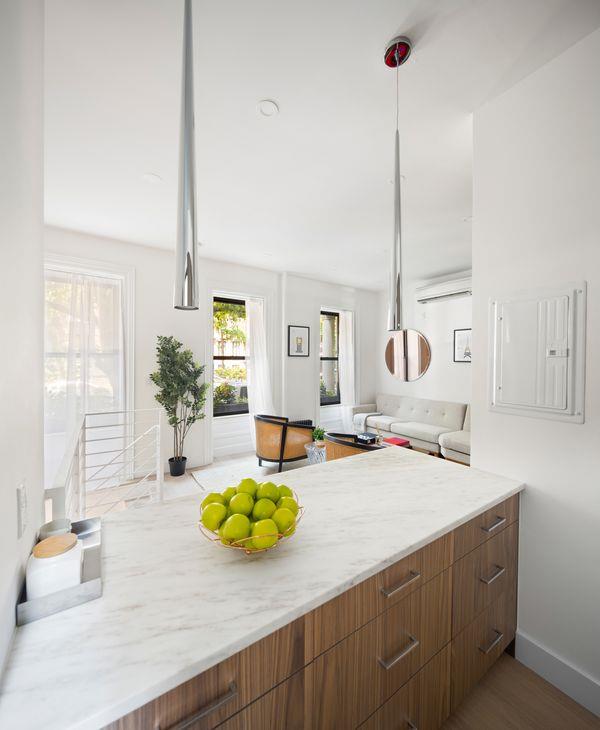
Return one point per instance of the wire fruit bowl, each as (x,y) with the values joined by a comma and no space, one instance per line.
(244,544)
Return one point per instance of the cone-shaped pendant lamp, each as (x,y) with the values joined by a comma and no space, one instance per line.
(186,294)
(396,54)
(407,353)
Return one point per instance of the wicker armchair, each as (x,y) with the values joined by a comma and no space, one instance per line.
(338,445)
(280,440)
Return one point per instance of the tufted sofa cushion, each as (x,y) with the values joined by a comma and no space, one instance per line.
(457,441)
(449,416)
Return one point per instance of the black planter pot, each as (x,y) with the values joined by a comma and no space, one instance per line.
(177,466)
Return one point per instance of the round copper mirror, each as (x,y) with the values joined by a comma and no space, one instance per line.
(407,355)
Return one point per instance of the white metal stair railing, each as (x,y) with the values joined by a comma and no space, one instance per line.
(114,462)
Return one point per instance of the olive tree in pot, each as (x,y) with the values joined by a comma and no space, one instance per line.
(180,393)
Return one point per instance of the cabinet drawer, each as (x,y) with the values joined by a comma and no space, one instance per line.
(484,526)
(280,709)
(480,644)
(423,702)
(339,617)
(482,575)
(351,680)
(226,688)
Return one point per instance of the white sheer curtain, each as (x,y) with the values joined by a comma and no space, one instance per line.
(84,358)
(260,395)
(346,368)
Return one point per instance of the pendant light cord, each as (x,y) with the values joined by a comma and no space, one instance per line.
(397,91)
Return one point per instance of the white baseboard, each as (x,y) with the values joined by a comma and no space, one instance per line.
(567,678)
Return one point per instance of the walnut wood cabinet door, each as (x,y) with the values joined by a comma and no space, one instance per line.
(423,703)
(214,695)
(478,646)
(483,575)
(351,680)
(485,526)
(280,709)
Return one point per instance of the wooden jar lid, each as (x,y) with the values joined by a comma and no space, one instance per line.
(55,545)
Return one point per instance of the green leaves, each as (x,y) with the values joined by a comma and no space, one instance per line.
(179,391)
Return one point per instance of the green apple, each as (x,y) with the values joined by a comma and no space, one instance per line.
(264,534)
(268,490)
(212,497)
(229,493)
(212,515)
(247,486)
(263,509)
(224,540)
(285,519)
(236,527)
(285,491)
(289,503)
(241,504)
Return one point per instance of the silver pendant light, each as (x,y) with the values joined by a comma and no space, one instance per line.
(407,353)
(186,258)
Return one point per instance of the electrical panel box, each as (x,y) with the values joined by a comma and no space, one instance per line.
(537,346)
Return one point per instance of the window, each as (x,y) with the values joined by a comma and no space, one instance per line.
(85,359)
(230,386)
(330,375)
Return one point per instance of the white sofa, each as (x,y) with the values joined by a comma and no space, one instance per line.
(456,445)
(420,420)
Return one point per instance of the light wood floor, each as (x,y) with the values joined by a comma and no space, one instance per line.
(512,697)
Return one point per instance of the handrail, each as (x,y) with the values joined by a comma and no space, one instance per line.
(114,479)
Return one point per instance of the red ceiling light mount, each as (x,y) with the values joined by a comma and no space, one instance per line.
(397,52)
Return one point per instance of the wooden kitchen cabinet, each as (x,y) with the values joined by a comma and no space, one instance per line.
(480,644)
(283,708)
(482,576)
(485,526)
(404,646)
(221,691)
(423,702)
(355,677)
(354,608)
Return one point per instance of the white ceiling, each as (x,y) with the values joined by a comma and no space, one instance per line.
(308,191)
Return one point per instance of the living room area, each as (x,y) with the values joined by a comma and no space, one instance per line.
(345,271)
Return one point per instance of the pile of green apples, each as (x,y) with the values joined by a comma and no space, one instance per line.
(251,515)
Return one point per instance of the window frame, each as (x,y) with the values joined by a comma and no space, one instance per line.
(329,401)
(234,358)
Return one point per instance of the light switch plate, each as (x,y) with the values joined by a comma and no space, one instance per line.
(21,509)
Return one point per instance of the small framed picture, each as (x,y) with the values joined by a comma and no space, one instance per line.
(462,345)
(298,341)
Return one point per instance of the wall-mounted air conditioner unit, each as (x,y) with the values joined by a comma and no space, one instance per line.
(444,290)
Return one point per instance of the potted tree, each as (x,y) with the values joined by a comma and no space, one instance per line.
(180,393)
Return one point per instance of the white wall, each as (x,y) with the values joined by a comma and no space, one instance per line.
(294,380)
(537,223)
(21,212)
(444,379)
(303,300)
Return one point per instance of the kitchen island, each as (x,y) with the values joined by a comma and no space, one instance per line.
(383,540)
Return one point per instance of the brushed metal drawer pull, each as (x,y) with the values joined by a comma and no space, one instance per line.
(495,525)
(495,642)
(207,709)
(412,644)
(499,570)
(412,577)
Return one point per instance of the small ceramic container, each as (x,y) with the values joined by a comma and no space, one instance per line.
(54,564)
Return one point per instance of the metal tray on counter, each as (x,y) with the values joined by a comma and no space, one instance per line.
(90,533)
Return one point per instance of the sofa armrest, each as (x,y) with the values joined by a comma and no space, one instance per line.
(370,408)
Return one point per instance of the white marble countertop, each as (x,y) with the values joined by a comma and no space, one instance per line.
(174,604)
